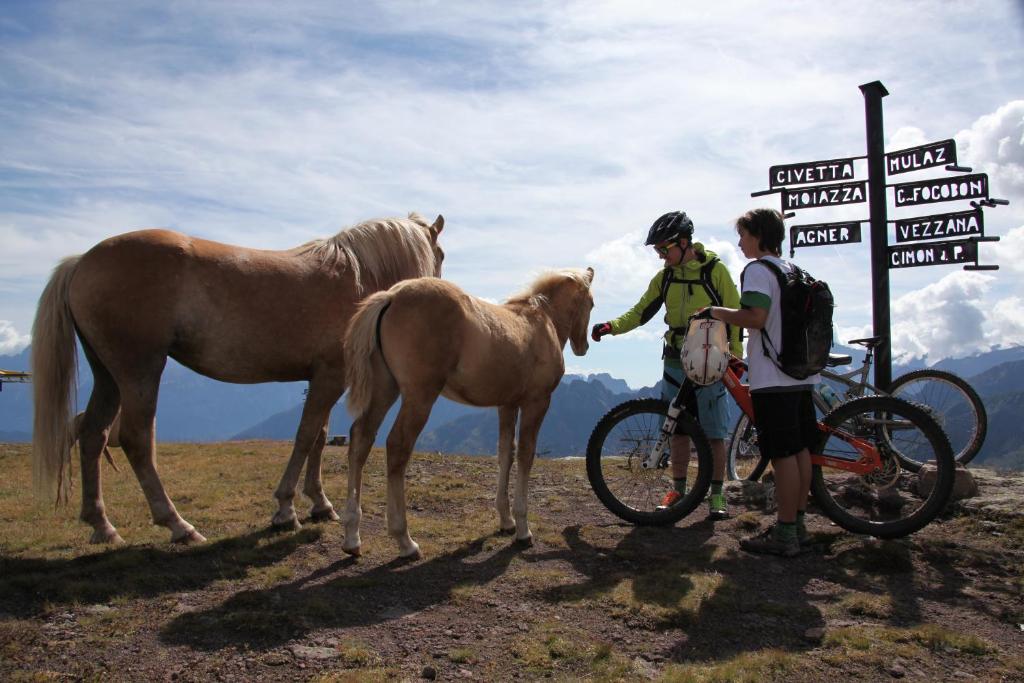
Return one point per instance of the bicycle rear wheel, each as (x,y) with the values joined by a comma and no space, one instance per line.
(953,403)
(744,461)
(894,500)
(616,448)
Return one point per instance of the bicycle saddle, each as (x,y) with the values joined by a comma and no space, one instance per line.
(835,360)
(867,342)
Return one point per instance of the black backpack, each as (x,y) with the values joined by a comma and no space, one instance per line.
(806,305)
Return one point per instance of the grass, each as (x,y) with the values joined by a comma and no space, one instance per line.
(749,667)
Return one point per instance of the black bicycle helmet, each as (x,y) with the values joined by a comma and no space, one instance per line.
(674,225)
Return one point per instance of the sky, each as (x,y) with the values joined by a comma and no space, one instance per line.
(548,134)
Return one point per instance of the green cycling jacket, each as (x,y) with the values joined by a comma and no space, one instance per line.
(681,300)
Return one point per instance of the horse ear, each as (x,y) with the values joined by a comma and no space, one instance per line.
(438,226)
(590,274)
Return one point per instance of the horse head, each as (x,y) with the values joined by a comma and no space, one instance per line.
(579,340)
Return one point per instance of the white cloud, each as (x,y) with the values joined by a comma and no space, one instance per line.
(11,341)
(995,144)
(907,136)
(1011,250)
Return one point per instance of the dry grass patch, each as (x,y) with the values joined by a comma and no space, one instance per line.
(551,647)
(868,604)
(749,667)
(665,596)
(877,645)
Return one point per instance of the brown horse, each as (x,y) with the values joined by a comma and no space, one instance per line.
(227,312)
(424,338)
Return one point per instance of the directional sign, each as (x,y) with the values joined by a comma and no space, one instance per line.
(939,153)
(821,234)
(957,224)
(933,254)
(824,195)
(810,172)
(973,186)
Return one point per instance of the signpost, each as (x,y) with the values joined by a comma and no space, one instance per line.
(818,184)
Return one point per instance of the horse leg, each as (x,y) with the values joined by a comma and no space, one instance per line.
(92,432)
(408,425)
(138,439)
(322,510)
(506,450)
(322,395)
(531,418)
(361,437)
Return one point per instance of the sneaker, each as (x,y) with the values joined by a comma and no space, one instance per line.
(767,543)
(717,507)
(670,499)
(803,537)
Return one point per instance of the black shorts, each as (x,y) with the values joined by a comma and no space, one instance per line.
(785,422)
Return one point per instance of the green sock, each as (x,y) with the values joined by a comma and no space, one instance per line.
(680,485)
(785,531)
(716,488)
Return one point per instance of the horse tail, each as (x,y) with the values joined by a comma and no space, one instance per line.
(54,366)
(361,345)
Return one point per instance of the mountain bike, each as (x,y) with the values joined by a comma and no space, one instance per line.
(858,479)
(953,403)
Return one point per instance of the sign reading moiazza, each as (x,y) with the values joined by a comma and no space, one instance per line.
(925,156)
(973,186)
(957,224)
(933,254)
(824,195)
(810,172)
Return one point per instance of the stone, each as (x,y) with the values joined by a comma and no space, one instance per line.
(429,673)
(814,634)
(317,653)
(964,485)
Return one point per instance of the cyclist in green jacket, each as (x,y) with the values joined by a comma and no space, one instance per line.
(691,279)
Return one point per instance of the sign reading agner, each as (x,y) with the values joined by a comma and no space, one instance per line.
(957,224)
(933,254)
(973,186)
(810,172)
(821,234)
(824,195)
(924,156)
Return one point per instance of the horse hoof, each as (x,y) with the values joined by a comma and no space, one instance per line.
(355,551)
(410,552)
(326,515)
(524,542)
(507,531)
(191,538)
(104,537)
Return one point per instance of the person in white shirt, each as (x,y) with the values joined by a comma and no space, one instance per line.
(783,410)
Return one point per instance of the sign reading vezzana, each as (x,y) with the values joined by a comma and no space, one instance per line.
(824,195)
(973,186)
(933,253)
(824,233)
(810,172)
(924,156)
(956,224)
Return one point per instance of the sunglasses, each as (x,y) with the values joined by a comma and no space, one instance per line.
(663,249)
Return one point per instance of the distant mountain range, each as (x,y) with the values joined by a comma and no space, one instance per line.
(195,408)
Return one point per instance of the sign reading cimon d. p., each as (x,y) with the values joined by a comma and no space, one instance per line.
(810,172)
(933,253)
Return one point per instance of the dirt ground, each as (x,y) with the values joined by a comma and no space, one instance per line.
(592,599)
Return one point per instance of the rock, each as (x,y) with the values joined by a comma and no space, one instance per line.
(276,659)
(429,673)
(964,485)
(317,653)
(897,671)
(814,634)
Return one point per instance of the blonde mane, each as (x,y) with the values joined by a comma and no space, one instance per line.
(537,293)
(380,252)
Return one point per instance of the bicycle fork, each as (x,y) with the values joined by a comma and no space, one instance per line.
(653,456)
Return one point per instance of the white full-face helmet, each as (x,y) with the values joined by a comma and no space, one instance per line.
(705,354)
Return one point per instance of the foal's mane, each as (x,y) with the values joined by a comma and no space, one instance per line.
(380,252)
(537,293)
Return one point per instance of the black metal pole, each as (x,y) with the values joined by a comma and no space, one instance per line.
(873,93)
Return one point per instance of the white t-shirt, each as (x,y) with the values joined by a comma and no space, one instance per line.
(762,371)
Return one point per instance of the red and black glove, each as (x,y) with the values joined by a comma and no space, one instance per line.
(599,330)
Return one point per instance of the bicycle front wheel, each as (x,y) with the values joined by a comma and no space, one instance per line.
(893,500)
(744,459)
(953,403)
(617,447)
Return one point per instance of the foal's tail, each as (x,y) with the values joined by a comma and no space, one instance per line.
(54,365)
(361,345)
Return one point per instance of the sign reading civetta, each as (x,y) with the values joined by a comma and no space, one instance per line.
(810,172)
(973,186)
(824,195)
(933,253)
(956,224)
(820,234)
(924,156)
